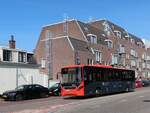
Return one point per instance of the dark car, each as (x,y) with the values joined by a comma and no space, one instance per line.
(145,83)
(55,90)
(26,92)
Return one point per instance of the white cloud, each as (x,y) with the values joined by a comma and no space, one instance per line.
(146,42)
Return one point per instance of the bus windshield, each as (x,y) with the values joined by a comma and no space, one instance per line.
(71,75)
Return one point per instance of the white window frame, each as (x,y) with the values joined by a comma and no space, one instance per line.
(133,63)
(43,63)
(109,43)
(144,56)
(143,65)
(133,52)
(118,33)
(98,56)
(132,40)
(148,57)
(90,61)
(93,38)
(114,59)
(148,66)
(121,49)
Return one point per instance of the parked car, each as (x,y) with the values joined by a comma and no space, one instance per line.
(55,90)
(26,92)
(138,83)
(145,83)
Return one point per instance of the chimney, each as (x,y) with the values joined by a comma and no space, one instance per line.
(12,43)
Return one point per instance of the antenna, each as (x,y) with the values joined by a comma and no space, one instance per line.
(65,16)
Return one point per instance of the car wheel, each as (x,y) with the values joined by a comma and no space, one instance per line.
(19,97)
(58,94)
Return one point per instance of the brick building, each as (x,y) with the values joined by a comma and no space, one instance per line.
(96,42)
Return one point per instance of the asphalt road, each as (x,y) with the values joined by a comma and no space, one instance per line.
(134,102)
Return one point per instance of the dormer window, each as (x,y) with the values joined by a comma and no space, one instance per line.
(109,43)
(132,40)
(118,34)
(86,29)
(126,34)
(139,44)
(106,28)
(92,38)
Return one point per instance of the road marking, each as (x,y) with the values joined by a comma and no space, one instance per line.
(45,110)
(124,100)
(141,96)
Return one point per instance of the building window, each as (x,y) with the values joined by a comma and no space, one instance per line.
(90,61)
(127,56)
(7,55)
(118,34)
(86,29)
(98,56)
(143,65)
(133,53)
(92,38)
(121,49)
(43,63)
(77,61)
(114,59)
(148,57)
(148,66)
(127,35)
(30,58)
(22,57)
(144,56)
(109,43)
(133,63)
(106,28)
(132,40)
(140,44)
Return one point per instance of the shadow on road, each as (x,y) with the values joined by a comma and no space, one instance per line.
(76,98)
(89,97)
(146,100)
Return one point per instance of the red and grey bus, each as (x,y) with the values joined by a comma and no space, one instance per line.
(88,80)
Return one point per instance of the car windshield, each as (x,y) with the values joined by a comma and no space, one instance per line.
(71,75)
(55,85)
(20,87)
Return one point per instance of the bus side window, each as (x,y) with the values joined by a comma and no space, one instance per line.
(90,77)
(98,75)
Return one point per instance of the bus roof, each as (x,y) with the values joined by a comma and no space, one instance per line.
(96,65)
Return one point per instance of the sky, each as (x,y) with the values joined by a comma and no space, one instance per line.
(24,18)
